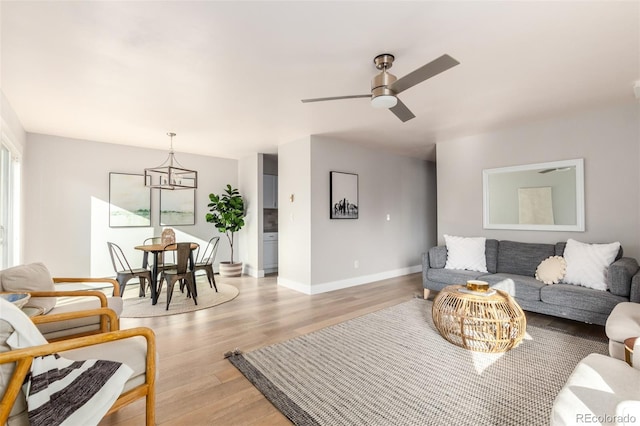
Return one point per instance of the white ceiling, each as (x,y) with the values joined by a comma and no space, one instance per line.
(228,77)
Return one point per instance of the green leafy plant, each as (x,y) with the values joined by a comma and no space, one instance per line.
(227,213)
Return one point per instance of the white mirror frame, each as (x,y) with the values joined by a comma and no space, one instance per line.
(580,222)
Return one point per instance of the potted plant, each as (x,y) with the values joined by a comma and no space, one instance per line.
(227,215)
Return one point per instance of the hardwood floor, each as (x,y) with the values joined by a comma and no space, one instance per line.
(198,386)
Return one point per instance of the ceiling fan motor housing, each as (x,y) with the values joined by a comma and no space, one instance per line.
(381,82)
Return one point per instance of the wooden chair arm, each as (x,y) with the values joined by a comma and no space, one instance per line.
(106,315)
(116,285)
(79,293)
(24,358)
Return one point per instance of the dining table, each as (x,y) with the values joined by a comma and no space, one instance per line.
(156,249)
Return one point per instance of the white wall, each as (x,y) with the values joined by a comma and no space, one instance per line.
(294,217)
(607,138)
(401,187)
(67,196)
(250,236)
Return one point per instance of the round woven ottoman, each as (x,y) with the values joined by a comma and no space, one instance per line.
(482,322)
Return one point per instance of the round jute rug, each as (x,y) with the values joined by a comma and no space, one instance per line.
(139,307)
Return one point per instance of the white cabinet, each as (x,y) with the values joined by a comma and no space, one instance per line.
(270,251)
(270,191)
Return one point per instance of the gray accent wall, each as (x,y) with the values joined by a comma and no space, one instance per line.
(341,253)
(608,138)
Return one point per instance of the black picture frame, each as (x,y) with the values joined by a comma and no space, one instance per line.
(129,201)
(343,195)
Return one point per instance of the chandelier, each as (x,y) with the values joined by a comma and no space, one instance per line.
(170,174)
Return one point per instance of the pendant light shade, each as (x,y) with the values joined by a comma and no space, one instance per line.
(170,174)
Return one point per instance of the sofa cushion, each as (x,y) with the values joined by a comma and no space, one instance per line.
(132,352)
(466,253)
(522,258)
(31,277)
(518,286)
(57,329)
(580,298)
(588,264)
(452,276)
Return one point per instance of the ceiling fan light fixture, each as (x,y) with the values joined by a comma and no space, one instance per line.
(384,101)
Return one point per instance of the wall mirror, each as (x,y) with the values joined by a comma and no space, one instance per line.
(535,197)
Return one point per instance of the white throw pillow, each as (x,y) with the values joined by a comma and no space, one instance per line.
(465,253)
(587,264)
(551,270)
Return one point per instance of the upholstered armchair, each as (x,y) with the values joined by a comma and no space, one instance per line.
(58,296)
(601,390)
(134,348)
(622,323)
(606,389)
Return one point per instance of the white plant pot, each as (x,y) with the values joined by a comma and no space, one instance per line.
(227,269)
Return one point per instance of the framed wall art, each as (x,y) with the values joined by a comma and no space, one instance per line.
(129,201)
(343,195)
(177,207)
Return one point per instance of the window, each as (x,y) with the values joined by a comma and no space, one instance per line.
(9,206)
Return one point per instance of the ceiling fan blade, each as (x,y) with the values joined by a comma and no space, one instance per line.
(402,112)
(429,70)
(335,98)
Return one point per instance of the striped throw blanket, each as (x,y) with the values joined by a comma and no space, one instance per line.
(61,391)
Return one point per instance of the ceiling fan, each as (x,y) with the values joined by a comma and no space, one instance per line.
(385,86)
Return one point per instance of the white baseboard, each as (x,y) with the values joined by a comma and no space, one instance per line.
(294,285)
(349,282)
(256,273)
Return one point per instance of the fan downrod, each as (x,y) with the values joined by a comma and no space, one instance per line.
(384,61)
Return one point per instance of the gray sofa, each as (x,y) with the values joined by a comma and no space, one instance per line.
(512,266)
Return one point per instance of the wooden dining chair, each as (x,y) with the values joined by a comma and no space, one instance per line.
(205,261)
(124,271)
(183,272)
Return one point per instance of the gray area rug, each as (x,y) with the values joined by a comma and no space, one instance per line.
(140,307)
(392,367)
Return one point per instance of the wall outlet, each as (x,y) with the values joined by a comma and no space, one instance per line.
(388,217)
(356,264)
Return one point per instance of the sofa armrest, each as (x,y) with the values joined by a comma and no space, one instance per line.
(620,273)
(437,257)
(425,266)
(634,295)
(114,283)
